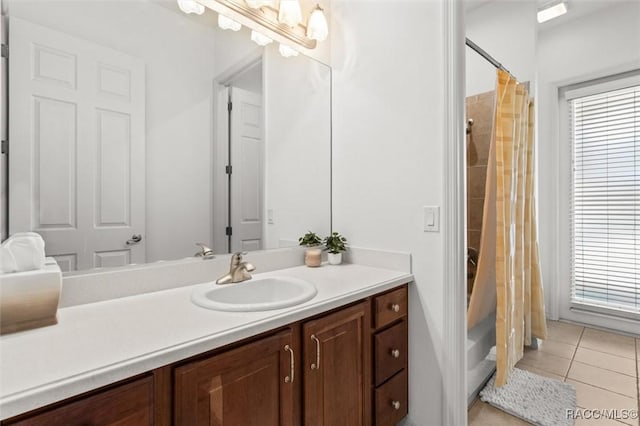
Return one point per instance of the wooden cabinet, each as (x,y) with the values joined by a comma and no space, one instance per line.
(390,351)
(251,385)
(390,345)
(345,367)
(129,404)
(335,380)
(391,400)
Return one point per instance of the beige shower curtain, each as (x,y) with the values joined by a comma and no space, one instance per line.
(509,246)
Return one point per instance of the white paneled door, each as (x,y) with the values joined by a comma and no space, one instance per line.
(247,188)
(77,147)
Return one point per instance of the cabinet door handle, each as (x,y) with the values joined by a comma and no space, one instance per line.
(291,376)
(395,353)
(395,307)
(316,365)
(395,405)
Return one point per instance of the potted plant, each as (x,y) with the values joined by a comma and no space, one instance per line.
(313,253)
(335,244)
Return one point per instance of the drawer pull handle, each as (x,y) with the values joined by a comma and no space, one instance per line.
(395,353)
(316,365)
(395,405)
(395,307)
(289,379)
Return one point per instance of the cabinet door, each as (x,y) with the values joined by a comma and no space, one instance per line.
(334,368)
(250,385)
(125,405)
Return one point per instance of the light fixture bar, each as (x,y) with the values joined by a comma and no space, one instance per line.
(257,16)
(551,11)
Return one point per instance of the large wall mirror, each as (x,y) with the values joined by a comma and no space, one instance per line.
(137,131)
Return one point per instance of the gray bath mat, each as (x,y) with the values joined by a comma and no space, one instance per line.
(536,399)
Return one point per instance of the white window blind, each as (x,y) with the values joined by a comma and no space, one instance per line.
(605,200)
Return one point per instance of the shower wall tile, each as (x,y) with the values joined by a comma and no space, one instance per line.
(474,220)
(473,239)
(479,108)
(477,177)
(481,141)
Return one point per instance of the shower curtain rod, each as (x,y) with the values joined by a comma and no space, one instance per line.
(486,56)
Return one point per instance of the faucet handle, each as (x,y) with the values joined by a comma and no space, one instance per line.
(236,257)
(205,252)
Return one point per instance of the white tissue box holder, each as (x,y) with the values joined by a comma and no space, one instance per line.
(30,299)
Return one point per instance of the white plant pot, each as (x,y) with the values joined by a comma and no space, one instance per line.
(334,258)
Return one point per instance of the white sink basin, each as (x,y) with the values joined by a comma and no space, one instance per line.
(257,294)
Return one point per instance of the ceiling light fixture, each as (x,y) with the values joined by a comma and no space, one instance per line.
(551,11)
(191,6)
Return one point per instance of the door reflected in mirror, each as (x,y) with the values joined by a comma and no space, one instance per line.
(138,131)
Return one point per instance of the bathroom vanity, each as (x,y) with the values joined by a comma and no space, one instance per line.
(340,358)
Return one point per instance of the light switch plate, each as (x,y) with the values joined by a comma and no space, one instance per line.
(270,216)
(431,218)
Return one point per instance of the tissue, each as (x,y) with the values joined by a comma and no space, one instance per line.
(22,251)
(7,261)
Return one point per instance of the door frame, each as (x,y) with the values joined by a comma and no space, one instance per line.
(220,146)
(454,351)
(4,129)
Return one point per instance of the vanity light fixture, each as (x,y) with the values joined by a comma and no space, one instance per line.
(257,4)
(287,51)
(260,38)
(290,12)
(191,6)
(228,23)
(317,27)
(551,11)
(270,21)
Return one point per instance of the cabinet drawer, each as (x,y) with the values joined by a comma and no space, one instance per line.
(130,404)
(390,307)
(390,351)
(391,400)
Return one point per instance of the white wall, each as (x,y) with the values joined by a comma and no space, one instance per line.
(597,45)
(507,31)
(173,46)
(388,162)
(298,147)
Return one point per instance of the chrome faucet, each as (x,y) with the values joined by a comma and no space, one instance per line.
(238,270)
(205,252)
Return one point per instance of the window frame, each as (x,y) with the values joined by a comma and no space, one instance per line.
(597,316)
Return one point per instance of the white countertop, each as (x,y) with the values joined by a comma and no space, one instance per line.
(100,343)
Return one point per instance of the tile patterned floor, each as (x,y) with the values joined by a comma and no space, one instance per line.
(603,366)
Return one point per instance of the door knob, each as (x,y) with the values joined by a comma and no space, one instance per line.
(135,239)
(395,353)
(395,405)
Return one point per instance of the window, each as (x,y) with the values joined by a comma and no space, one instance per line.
(605,197)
